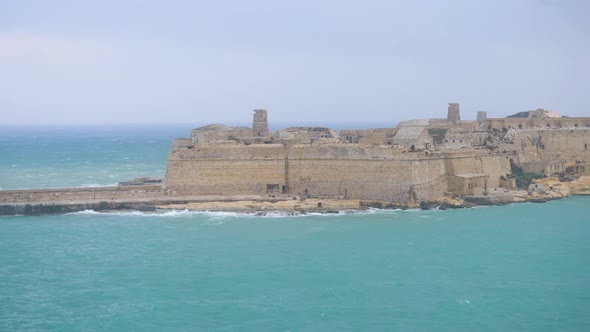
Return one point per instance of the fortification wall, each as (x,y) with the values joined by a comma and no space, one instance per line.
(200,137)
(225,169)
(429,178)
(461,162)
(379,136)
(364,172)
(553,144)
(471,162)
(324,169)
(79,194)
(495,166)
(532,123)
(336,170)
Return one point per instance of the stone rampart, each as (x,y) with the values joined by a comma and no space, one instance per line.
(79,194)
(355,171)
(500,124)
(552,144)
(212,169)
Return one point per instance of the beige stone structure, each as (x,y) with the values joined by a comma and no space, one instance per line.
(419,163)
(260,124)
(419,160)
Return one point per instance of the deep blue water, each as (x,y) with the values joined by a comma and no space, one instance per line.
(522,267)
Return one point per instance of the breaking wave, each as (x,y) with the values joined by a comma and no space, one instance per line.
(90,185)
(232,214)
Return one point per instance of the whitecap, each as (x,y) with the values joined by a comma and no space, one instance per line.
(381,211)
(91,185)
(83,212)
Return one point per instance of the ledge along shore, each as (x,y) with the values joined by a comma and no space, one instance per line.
(153,198)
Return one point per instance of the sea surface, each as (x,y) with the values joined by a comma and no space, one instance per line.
(523,267)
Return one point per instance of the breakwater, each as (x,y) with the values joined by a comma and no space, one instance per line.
(64,200)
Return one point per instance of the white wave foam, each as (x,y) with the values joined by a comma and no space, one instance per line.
(158,213)
(381,211)
(83,212)
(212,214)
(90,185)
(255,214)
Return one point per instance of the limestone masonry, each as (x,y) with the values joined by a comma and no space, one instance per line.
(419,160)
(419,163)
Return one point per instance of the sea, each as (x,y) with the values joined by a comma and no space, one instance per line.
(521,267)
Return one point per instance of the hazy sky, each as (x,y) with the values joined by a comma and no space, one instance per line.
(113,61)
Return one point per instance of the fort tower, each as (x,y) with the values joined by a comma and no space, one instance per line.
(482,116)
(454,116)
(260,124)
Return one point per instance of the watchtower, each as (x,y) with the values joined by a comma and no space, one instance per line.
(260,124)
(454,115)
(482,116)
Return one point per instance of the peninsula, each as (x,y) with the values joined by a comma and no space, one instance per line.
(529,156)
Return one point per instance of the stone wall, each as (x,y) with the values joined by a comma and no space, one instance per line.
(79,194)
(225,169)
(202,137)
(356,171)
(553,144)
(468,184)
(379,136)
(500,124)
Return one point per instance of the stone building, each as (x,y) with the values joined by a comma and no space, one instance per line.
(413,135)
(546,168)
(306,134)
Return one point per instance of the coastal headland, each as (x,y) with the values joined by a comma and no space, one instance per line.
(430,163)
(150,199)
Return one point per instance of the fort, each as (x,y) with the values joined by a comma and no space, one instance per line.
(445,162)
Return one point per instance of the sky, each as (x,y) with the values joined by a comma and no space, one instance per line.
(306,61)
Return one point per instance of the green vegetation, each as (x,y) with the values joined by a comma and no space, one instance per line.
(523,180)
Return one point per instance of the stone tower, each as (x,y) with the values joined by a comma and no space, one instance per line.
(482,116)
(454,116)
(260,124)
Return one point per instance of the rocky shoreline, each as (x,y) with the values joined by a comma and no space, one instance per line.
(541,190)
(547,189)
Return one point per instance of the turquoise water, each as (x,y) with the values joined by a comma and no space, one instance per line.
(522,267)
(48,157)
